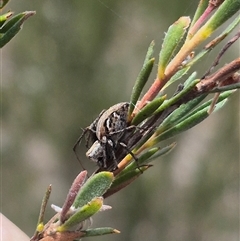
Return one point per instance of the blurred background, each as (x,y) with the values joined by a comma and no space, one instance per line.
(70,61)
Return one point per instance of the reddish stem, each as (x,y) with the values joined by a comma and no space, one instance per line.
(212,5)
(151,93)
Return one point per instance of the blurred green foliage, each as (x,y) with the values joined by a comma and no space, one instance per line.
(74,59)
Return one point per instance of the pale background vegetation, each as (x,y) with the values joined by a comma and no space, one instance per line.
(70,61)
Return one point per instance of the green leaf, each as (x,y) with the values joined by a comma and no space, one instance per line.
(3,3)
(177,76)
(148,110)
(82,214)
(163,151)
(189,80)
(226,10)
(127,177)
(149,53)
(225,88)
(192,119)
(173,37)
(4,17)
(100,231)
(143,159)
(13,26)
(183,126)
(142,78)
(222,96)
(122,181)
(10,24)
(40,224)
(95,186)
(177,97)
(179,114)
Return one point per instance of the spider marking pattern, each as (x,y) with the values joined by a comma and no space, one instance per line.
(104,135)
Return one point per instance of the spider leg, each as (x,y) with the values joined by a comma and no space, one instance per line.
(79,140)
(131,153)
(112,147)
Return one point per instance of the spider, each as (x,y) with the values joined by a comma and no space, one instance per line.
(104,134)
